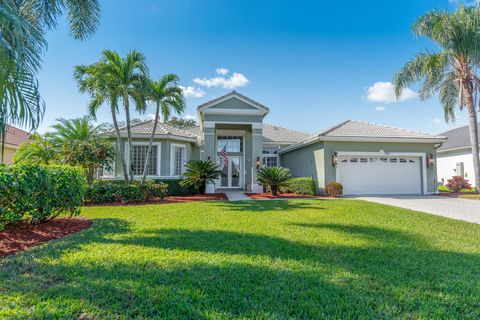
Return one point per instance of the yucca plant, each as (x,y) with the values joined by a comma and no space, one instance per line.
(274,177)
(200,172)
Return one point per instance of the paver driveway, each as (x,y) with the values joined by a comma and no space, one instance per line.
(460,209)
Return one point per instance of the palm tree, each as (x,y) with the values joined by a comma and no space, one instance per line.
(168,97)
(128,79)
(91,79)
(78,129)
(39,150)
(199,173)
(274,177)
(451,72)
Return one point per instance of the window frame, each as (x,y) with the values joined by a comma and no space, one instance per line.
(270,155)
(159,157)
(172,158)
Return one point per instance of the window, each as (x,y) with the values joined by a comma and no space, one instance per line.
(393,160)
(139,155)
(270,150)
(363,160)
(354,160)
(178,159)
(231,143)
(270,161)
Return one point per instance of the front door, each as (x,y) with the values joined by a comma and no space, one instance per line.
(231,172)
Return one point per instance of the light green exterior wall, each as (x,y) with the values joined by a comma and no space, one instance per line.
(315,160)
(233,103)
(225,118)
(193,153)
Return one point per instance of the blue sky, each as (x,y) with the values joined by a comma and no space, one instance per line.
(314,63)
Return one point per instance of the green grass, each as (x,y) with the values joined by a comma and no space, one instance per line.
(337,259)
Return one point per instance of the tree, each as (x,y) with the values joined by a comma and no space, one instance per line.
(182,122)
(23,25)
(199,173)
(127,78)
(39,150)
(274,177)
(451,72)
(168,97)
(81,143)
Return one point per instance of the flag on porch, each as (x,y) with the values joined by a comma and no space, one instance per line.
(224,155)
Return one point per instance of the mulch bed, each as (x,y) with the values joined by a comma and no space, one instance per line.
(454,194)
(23,235)
(266,196)
(167,200)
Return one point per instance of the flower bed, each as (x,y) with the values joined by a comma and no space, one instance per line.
(23,235)
(167,200)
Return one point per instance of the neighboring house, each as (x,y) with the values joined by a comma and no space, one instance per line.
(13,138)
(366,158)
(455,156)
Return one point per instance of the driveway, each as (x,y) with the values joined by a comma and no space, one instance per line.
(454,208)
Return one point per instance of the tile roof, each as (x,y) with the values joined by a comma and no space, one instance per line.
(278,134)
(355,128)
(457,138)
(146,127)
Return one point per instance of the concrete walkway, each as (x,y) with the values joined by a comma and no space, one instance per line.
(236,195)
(454,208)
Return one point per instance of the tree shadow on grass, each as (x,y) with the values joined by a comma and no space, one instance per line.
(394,275)
(268,205)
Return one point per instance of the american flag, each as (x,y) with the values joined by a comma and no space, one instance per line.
(224,154)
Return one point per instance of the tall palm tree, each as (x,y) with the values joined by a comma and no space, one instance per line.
(91,79)
(78,129)
(127,77)
(168,97)
(451,72)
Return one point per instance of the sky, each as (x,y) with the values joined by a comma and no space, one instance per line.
(313,63)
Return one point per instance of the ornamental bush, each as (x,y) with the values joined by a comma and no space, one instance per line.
(334,189)
(457,183)
(176,189)
(101,192)
(39,192)
(301,185)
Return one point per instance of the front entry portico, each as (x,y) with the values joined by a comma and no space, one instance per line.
(232,174)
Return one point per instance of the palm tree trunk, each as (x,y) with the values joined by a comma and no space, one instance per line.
(120,145)
(150,144)
(129,137)
(473,129)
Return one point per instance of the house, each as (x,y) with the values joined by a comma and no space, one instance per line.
(455,156)
(13,139)
(366,158)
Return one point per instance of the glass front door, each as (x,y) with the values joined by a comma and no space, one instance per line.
(231,172)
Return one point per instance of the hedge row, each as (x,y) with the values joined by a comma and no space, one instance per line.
(101,192)
(302,185)
(175,189)
(39,192)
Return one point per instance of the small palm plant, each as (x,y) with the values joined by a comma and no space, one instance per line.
(199,173)
(274,177)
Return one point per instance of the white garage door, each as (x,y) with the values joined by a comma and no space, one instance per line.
(379,175)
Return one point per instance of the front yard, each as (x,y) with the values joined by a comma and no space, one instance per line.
(304,259)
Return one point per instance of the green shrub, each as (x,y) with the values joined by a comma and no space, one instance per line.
(273,178)
(39,192)
(334,189)
(102,192)
(443,189)
(175,189)
(301,185)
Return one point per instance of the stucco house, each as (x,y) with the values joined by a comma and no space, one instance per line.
(455,156)
(366,158)
(13,139)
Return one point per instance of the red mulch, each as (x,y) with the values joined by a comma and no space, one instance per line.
(167,200)
(23,235)
(264,196)
(452,194)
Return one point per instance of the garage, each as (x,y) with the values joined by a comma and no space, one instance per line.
(363,175)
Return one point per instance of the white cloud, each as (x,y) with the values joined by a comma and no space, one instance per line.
(222,71)
(189,117)
(437,121)
(384,92)
(234,81)
(380,108)
(150,116)
(192,92)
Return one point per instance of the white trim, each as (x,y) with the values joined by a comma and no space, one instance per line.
(228,97)
(212,124)
(467,148)
(235,112)
(421,155)
(172,158)
(227,132)
(159,157)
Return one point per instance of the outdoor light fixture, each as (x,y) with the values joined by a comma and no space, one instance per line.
(334,159)
(431,160)
(259,163)
(209,158)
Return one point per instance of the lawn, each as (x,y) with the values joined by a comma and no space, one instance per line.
(303,259)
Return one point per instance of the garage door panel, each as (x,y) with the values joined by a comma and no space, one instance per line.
(379,175)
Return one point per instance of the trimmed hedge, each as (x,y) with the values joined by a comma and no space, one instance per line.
(39,192)
(301,185)
(334,189)
(101,192)
(175,189)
